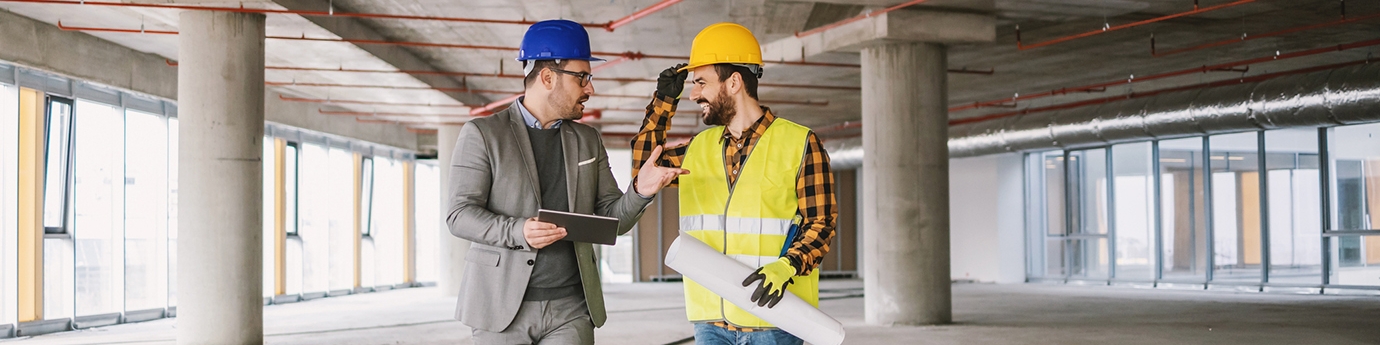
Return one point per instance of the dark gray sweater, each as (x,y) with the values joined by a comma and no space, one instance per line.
(556,273)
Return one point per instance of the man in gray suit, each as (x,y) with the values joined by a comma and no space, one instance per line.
(522,283)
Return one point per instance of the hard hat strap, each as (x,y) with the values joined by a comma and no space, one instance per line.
(755,69)
(529,65)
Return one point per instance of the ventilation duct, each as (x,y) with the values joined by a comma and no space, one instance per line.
(1340,96)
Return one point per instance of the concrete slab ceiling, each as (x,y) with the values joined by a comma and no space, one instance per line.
(1110,56)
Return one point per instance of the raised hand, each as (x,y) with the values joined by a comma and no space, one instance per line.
(671,82)
(652,178)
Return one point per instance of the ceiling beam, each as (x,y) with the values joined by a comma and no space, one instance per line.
(397,56)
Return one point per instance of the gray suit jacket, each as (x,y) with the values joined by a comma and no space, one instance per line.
(494,189)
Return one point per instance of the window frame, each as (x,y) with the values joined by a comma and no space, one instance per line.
(366,198)
(67,158)
(296,185)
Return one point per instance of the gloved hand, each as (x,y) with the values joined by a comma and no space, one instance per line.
(671,82)
(775,277)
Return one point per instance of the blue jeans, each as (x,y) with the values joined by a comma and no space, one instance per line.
(707,334)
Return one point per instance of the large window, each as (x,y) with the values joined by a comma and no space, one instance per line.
(1236,213)
(388,222)
(339,208)
(1086,236)
(98,227)
(294,251)
(1135,214)
(9,208)
(146,211)
(314,207)
(269,218)
(1274,209)
(1354,159)
(429,221)
(1294,195)
(1183,220)
(1045,207)
(172,211)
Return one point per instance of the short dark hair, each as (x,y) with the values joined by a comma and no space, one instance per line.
(537,66)
(749,79)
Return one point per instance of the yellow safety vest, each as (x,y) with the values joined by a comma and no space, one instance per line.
(747,221)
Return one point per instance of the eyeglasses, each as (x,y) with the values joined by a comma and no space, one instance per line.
(585,77)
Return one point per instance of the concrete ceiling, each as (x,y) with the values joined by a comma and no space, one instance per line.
(1115,55)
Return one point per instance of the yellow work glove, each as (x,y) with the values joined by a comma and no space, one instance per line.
(775,277)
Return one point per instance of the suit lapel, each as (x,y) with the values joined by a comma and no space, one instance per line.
(525,145)
(571,148)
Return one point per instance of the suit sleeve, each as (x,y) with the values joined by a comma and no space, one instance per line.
(612,202)
(471,176)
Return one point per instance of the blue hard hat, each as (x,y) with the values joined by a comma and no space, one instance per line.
(555,39)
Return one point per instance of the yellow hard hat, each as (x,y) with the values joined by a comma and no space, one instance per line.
(724,43)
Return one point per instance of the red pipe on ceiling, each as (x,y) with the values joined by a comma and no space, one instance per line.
(634,55)
(328,13)
(857,18)
(1106,29)
(639,14)
(1245,37)
(1134,95)
(1202,69)
(375,113)
(340,101)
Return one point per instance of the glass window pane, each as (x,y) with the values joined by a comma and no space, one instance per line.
(1356,261)
(340,212)
(366,190)
(172,212)
(146,211)
(9,208)
(388,223)
(1182,213)
(429,221)
(1054,258)
(59,126)
(1088,174)
(269,222)
(1354,152)
(1088,258)
(1236,210)
(57,278)
(1294,198)
(99,186)
(1135,213)
(290,186)
(1044,213)
(315,218)
(1054,193)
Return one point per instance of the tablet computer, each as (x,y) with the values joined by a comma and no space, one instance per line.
(583,227)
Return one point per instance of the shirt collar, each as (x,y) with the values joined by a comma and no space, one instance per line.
(757,128)
(531,120)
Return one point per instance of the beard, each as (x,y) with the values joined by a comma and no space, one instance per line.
(568,107)
(720,111)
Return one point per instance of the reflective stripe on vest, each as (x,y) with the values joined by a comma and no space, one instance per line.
(748,221)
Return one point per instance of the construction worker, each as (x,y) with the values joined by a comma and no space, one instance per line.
(762,192)
(523,284)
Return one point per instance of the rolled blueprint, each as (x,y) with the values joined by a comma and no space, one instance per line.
(724,276)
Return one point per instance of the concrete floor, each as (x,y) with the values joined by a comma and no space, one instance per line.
(985,314)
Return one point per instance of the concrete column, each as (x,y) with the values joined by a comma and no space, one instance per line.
(221,112)
(452,249)
(906,184)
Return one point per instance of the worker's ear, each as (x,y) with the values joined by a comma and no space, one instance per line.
(548,78)
(734,84)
